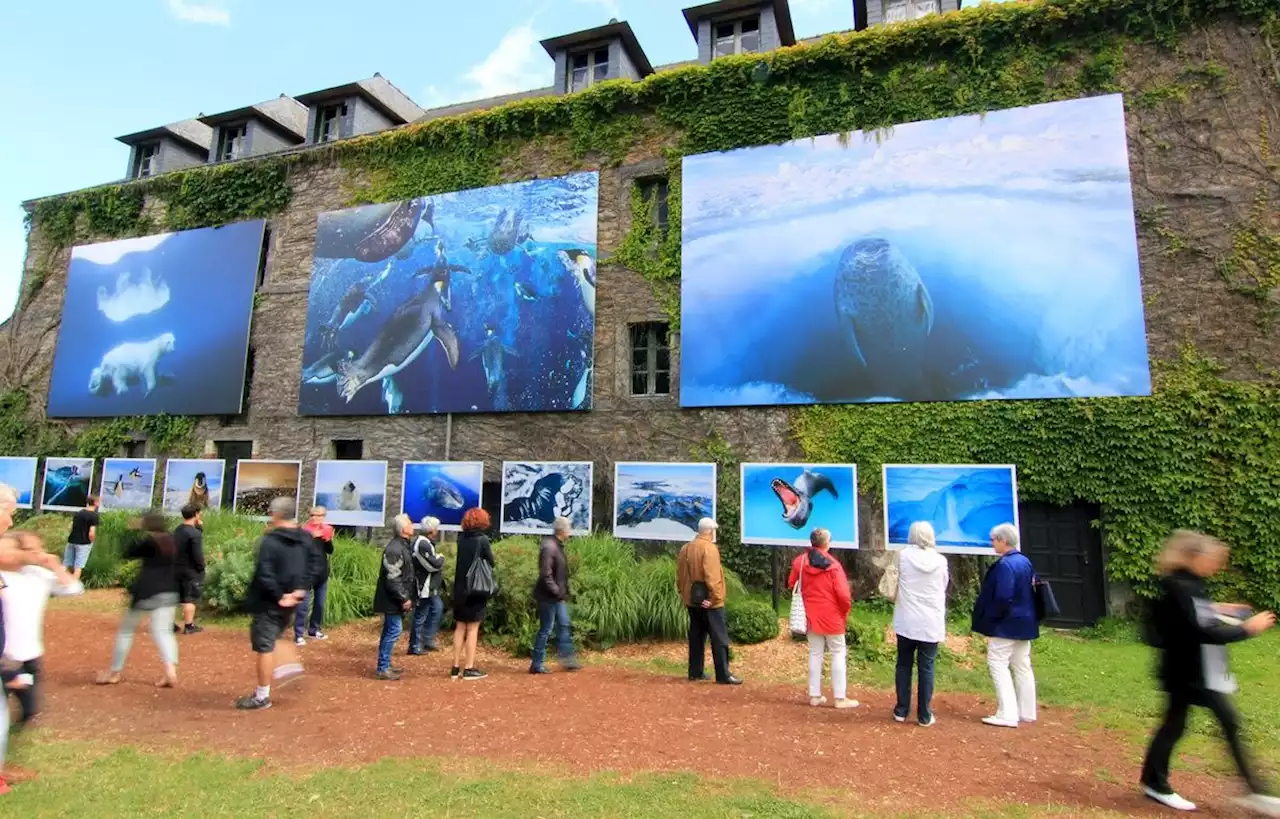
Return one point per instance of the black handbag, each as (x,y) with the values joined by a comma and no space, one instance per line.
(1046,604)
(480,580)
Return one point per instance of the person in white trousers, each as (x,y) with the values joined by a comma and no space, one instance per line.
(824,592)
(1005,613)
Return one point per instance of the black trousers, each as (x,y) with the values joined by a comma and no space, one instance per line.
(28,698)
(705,623)
(1155,768)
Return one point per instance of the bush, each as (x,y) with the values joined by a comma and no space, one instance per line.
(864,638)
(227,580)
(353,577)
(751,622)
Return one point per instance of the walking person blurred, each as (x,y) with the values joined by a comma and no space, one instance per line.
(827,600)
(1191,633)
(153,594)
(700,581)
(84,530)
(551,592)
(322,543)
(919,619)
(393,596)
(283,572)
(468,604)
(428,575)
(188,541)
(1005,612)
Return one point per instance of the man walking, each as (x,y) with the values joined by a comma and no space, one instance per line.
(84,528)
(551,591)
(322,542)
(283,573)
(393,595)
(188,541)
(700,580)
(428,573)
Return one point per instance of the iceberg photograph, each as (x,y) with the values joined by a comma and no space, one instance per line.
(783,503)
(962,502)
(445,490)
(19,474)
(662,501)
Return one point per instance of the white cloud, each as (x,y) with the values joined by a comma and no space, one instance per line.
(209,13)
(515,65)
(611,7)
(105,253)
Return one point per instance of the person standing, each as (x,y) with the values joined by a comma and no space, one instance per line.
(700,581)
(1191,633)
(393,596)
(827,600)
(283,572)
(428,575)
(919,619)
(468,605)
(153,592)
(1005,612)
(84,529)
(322,542)
(551,592)
(188,543)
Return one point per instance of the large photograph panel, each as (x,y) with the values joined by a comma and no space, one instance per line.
(783,503)
(19,474)
(662,501)
(353,493)
(66,484)
(535,493)
(444,490)
(127,484)
(958,259)
(962,502)
(196,481)
(157,324)
(474,301)
(258,483)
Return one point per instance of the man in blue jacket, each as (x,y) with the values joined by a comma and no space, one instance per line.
(1005,612)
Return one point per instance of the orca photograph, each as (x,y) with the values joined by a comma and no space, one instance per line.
(969,258)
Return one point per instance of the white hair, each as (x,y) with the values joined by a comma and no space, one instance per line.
(1005,533)
(921,534)
(707,525)
(562,526)
(430,524)
(8,495)
(402,522)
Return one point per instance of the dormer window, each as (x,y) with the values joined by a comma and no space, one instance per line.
(148,160)
(329,122)
(589,68)
(898,11)
(231,142)
(737,36)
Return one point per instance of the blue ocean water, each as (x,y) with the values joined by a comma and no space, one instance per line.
(210,276)
(523,304)
(20,475)
(419,501)
(180,475)
(962,503)
(1019,226)
(63,490)
(127,483)
(762,520)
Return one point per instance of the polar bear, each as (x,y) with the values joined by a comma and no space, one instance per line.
(130,363)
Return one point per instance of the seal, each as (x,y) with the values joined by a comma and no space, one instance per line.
(797,500)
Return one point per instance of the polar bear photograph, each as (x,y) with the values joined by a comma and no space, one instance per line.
(129,365)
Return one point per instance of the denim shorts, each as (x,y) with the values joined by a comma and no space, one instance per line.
(76,555)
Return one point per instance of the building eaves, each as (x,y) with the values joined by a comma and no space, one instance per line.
(610,31)
(720,8)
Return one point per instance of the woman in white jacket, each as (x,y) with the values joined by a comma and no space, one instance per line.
(919,618)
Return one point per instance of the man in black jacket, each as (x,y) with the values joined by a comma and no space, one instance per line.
(284,571)
(551,591)
(394,593)
(188,541)
(428,572)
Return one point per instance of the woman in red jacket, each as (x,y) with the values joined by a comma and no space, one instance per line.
(825,592)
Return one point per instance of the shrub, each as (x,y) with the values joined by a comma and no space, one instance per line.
(353,577)
(227,580)
(751,622)
(865,638)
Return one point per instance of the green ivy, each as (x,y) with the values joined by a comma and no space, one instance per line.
(652,252)
(165,435)
(752,564)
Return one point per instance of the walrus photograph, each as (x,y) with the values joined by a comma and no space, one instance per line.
(260,482)
(968,258)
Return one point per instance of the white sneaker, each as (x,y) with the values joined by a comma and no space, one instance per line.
(846,703)
(299,641)
(1260,804)
(1169,800)
(817,701)
(1000,723)
(927,723)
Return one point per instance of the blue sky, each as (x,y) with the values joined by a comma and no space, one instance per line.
(85,71)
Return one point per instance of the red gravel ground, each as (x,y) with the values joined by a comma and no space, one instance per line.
(601,718)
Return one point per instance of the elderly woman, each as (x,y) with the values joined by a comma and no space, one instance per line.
(827,600)
(394,593)
(428,604)
(919,619)
(1005,613)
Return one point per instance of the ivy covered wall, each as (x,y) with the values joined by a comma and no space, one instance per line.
(1201,80)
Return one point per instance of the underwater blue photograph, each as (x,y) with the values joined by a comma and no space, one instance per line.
(66,484)
(475,301)
(535,493)
(20,475)
(353,493)
(157,324)
(783,503)
(127,484)
(192,480)
(969,258)
(444,490)
(962,502)
(662,501)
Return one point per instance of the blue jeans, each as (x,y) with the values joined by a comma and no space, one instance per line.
(317,596)
(392,625)
(923,655)
(76,555)
(552,616)
(427,615)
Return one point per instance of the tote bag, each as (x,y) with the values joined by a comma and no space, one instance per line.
(480,581)
(799,623)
